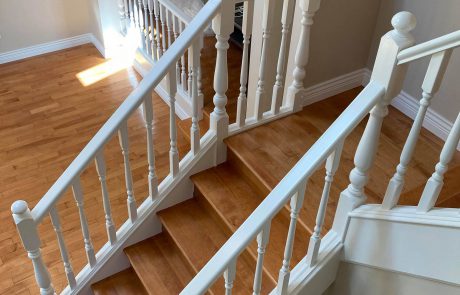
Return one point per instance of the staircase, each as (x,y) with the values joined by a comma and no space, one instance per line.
(249,208)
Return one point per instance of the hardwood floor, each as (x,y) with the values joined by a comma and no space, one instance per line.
(46,118)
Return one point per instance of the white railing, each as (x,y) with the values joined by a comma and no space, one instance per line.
(386,82)
(28,220)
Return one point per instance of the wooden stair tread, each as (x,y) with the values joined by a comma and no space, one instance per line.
(159,265)
(122,283)
(264,155)
(198,236)
(226,192)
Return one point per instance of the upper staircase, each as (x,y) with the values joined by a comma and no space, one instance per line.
(248,208)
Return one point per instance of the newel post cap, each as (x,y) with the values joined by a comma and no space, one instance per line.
(19,207)
(403,22)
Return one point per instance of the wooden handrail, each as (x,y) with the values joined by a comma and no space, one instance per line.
(132,102)
(428,48)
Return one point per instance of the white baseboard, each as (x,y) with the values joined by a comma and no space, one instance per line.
(404,102)
(43,48)
(332,87)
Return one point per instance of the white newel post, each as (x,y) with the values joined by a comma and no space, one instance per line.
(27,229)
(430,86)
(391,76)
(267,25)
(435,183)
(222,25)
(294,98)
(286,20)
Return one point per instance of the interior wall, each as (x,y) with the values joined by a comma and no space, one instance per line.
(25,23)
(434,18)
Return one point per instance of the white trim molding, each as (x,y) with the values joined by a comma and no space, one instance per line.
(52,46)
(404,102)
(333,87)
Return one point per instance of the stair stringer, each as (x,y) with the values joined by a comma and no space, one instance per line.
(112,259)
(315,280)
(404,241)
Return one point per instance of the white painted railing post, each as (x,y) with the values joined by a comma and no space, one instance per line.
(285,272)
(148,115)
(153,45)
(126,16)
(430,86)
(229,277)
(183,76)
(163,26)
(391,76)
(286,20)
(194,59)
(124,144)
(267,24)
(222,24)
(156,11)
(176,29)
(141,23)
(63,249)
(262,241)
(131,13)
(435,183)
(148,48)
(171,89)
(248,13)
(294,97)
(101,171)
(89,249)
(27,230)
(332,164)
(121,12)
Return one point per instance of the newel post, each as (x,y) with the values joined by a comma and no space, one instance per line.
(294,97)
(27,229)
(390,75)
(222,25)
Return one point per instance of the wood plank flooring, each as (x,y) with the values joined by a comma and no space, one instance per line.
(46,117)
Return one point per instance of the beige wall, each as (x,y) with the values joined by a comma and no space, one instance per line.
(434,18)
(25,23)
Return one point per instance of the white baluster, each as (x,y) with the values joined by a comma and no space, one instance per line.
(153,46)
(332,164)
(141,23)
(78,195)
(124,144)
(198,83)
(229,277)
(146,27)
(262,241)
(309,8)
(121,12)
(126,16)
(434,185)
(176,29)
(163,25)
(296,205)
(391,76)
(62,247)
(183,79)
(156,11)
(248,11)
(194,59)
(169,22)
(131,12)
(222,25)
(101,172)
(286,20)
(171,89)
(148,115)
(430,86)
(267,23)
(27,230)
